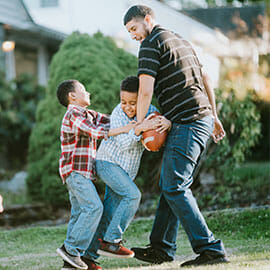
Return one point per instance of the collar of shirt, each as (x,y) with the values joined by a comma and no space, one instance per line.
(77,107)
(156,29)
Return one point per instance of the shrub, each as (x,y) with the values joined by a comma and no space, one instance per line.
(261,151)
(241,121)
(100,66)
(18,102)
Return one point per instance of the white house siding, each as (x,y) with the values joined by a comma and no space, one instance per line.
(90,16)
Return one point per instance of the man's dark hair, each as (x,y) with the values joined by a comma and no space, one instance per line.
(137,11)
(130,84)
(63,89)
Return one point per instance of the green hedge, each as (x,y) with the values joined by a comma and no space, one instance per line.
(18,102)
(100,65)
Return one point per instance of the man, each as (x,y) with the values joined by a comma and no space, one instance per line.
(169,68)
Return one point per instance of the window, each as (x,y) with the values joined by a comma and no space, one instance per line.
(48,3)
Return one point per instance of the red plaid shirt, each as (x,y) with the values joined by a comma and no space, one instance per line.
(80,130)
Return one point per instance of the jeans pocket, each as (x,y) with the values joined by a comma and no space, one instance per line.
(75,181)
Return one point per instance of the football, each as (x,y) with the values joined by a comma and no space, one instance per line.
(153,140)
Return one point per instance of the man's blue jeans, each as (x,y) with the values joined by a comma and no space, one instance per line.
(184,146)
(86,212)
(121,201)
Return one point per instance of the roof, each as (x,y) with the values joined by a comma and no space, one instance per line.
(16,17)
(232,21)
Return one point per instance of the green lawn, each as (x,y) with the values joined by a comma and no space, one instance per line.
(245,234)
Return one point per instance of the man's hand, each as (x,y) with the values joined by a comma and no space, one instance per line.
(218,132)
(164,124)
(148,123)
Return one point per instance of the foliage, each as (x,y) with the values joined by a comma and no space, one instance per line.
(12,198)
(241,121)
(18,102)
(261,151)
(251,188)
(97,63)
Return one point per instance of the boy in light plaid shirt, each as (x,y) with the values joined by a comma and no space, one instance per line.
(80,130)
(118,160)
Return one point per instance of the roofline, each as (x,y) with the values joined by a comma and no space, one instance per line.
(26,10)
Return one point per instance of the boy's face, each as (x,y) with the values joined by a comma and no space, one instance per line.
(128,103)
(80,96)
(139,29)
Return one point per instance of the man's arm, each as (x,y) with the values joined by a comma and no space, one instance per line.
(218,132)
(146,89)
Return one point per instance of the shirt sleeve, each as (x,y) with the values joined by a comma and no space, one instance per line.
(89,125)
(151,109)
(125,140)
(149,58)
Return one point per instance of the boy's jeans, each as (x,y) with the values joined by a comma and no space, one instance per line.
(86,211)
(183,149)
(121,201)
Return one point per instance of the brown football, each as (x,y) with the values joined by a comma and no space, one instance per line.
(153,140)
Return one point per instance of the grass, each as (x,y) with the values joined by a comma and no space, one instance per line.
(244,233)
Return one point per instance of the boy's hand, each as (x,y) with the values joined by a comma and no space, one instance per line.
(164,124)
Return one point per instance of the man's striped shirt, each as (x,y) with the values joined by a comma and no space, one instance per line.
(179,87)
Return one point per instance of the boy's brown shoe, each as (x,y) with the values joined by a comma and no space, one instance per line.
(75,261)
(114,250)
(92,265)
(67,266)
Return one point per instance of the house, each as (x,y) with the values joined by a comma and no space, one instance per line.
(248,43)
(245,27)
(26,47)
(106,16)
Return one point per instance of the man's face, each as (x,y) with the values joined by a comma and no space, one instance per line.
(139,29)
(128,103)
(81,96)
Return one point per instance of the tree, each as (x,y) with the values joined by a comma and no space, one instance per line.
(97,63)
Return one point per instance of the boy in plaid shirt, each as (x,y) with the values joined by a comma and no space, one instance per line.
(80,130)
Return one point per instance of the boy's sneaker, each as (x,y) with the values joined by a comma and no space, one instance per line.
(206,258)
(114,250)
(75,261)
(151,255)
(92,265)
(67,266)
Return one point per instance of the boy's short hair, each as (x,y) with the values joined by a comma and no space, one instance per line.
(138,11)
(63,89)
(130,84)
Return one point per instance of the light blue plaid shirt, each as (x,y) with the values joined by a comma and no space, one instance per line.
(124,149)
